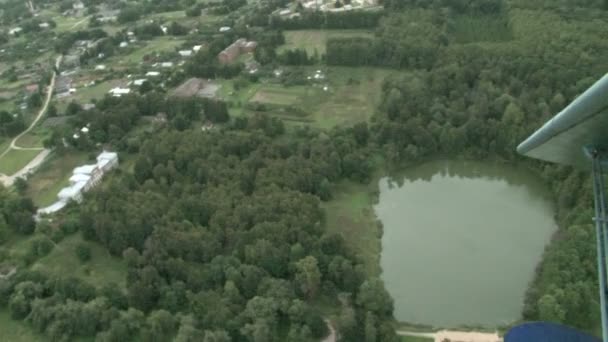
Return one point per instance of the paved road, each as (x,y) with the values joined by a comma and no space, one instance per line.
(39,159)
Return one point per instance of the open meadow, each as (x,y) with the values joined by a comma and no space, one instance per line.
(316,40)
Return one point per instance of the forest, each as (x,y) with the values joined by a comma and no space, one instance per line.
(223,232)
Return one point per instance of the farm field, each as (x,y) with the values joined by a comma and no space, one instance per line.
(315,40)
(352,96)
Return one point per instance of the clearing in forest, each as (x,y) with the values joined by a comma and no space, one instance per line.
(312,40)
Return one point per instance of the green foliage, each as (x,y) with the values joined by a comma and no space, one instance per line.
(83,252)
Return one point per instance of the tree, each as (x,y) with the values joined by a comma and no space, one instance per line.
(370,328)
(20,185)
(550,310)
(513,115)
(308,276)
(34,101)
(83,252)
(51,110)
(373,297)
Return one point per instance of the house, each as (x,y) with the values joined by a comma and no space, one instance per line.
(166,65)
(71,61)
(72,193)
(106,161)
(196,87)
(63,84)
(185,53)
(249,47)
(100,67)
(78,5)
(32,88)
(44,25)
(140,81)
(285,12)
(15,30)
(123,44)
(232,52)
(197,48)
(118,92)
(88,106)
(153,73)
(83,179)
(225,29)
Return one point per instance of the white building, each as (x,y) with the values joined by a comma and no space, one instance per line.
(15,30)
(197,48)
(185,53)
(83,179)
(153,73)
(106,161)
(166,65)
(140,81)
(225,29)
(118,92)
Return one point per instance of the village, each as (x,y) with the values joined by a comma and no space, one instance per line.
(59,74)
(90,70)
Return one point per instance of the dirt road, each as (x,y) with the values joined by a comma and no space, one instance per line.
(332,332)
(39,159)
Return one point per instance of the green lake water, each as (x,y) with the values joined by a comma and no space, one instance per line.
(461,241)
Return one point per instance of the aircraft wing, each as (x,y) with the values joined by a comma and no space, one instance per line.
(583,123)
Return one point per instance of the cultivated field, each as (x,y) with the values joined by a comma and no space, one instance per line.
(351,96)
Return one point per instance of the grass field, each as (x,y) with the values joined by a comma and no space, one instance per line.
(161,44)
(356,93)
(350,214)
(353,96)
(16,331)
(33,138)
(278,95)
(100,270)
(86,94)
(312,40)
(52,176)
(14,160)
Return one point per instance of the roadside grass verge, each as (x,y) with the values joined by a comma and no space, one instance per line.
(33,139)
(15,160)
(415,339)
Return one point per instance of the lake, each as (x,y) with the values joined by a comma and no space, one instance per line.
(461,241)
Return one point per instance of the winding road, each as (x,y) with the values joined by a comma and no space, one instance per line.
(39,159)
